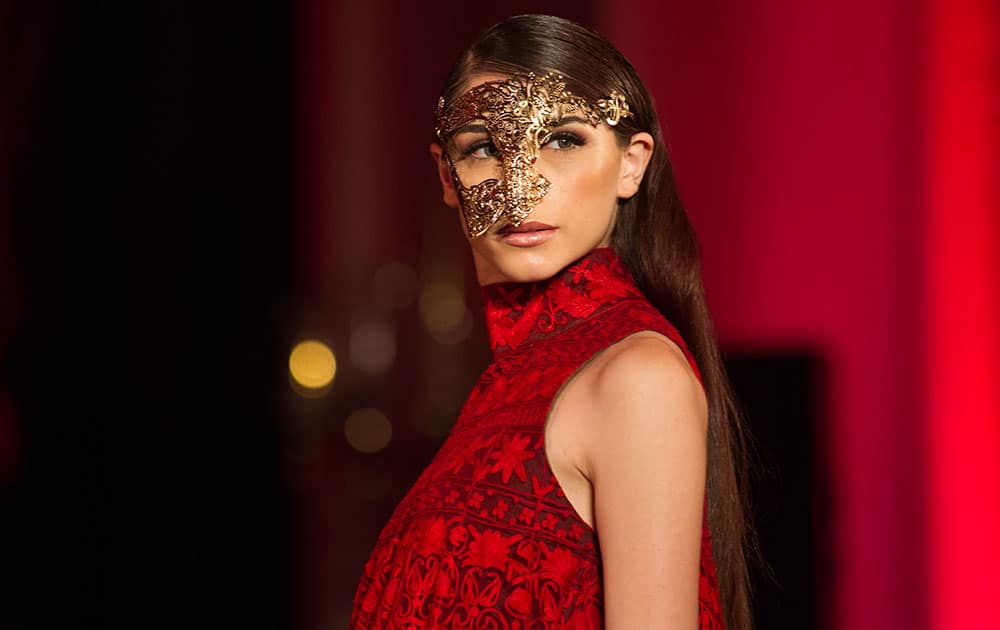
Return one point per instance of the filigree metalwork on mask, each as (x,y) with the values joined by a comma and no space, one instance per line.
(614,108)
(519,114)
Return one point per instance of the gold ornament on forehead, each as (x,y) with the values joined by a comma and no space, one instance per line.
(519,114)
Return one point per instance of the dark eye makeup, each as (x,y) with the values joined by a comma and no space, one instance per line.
(484,143)
(564,140)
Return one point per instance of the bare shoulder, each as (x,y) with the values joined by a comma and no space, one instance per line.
(642,387)
(646,369)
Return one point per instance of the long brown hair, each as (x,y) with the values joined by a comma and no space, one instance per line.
(655,240)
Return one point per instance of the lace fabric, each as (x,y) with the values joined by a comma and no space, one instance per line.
(486,537)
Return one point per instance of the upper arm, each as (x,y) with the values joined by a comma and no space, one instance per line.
(647,464)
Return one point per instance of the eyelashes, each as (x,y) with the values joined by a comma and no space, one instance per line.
(560,141)
(475,147)
(565,140)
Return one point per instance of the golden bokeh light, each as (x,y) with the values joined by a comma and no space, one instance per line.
(312,364)
(367,430)
(442,307)
(457,334)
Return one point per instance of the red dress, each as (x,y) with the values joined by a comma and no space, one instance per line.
(486,538)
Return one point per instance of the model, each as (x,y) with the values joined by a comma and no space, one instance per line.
(593,477)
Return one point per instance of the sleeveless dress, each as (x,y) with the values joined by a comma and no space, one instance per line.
(486,538)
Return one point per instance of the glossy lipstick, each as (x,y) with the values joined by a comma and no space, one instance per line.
(528,234)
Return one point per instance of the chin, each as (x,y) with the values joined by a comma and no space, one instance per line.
(532,264)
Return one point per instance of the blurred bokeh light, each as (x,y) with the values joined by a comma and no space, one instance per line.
(312,365)
(372,344)
(367,430)
(444,312)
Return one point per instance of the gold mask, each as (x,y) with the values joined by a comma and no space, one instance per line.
(519,114)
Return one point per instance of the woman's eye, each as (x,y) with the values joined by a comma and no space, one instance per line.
(480,150)
(564,141)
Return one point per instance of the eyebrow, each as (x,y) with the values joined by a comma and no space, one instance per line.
(470,128)
(570,119)
(481,128)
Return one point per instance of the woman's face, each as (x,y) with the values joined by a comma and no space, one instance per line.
(589,171)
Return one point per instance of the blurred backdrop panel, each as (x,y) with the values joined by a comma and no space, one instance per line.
(151,198)
(784,396)
(961,269)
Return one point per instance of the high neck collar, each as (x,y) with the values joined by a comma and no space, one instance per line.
(518,314)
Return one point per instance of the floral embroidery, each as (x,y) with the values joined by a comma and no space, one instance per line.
(559,565)
(486,538)
(550,521)
(511,459)
(433,537)
(489,549)
(526,515)
(500,510)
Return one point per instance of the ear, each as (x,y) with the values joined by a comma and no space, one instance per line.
(444,174)
(635,158)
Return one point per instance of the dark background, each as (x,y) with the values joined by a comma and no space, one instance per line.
(151,212)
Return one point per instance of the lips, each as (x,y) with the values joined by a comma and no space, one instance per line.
(527,226)
(528,234)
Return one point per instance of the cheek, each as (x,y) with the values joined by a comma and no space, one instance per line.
(587,188)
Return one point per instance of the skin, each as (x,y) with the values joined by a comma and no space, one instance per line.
(626,435)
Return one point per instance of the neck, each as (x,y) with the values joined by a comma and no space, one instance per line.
(521,314)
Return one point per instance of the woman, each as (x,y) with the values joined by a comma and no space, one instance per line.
(593,477)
